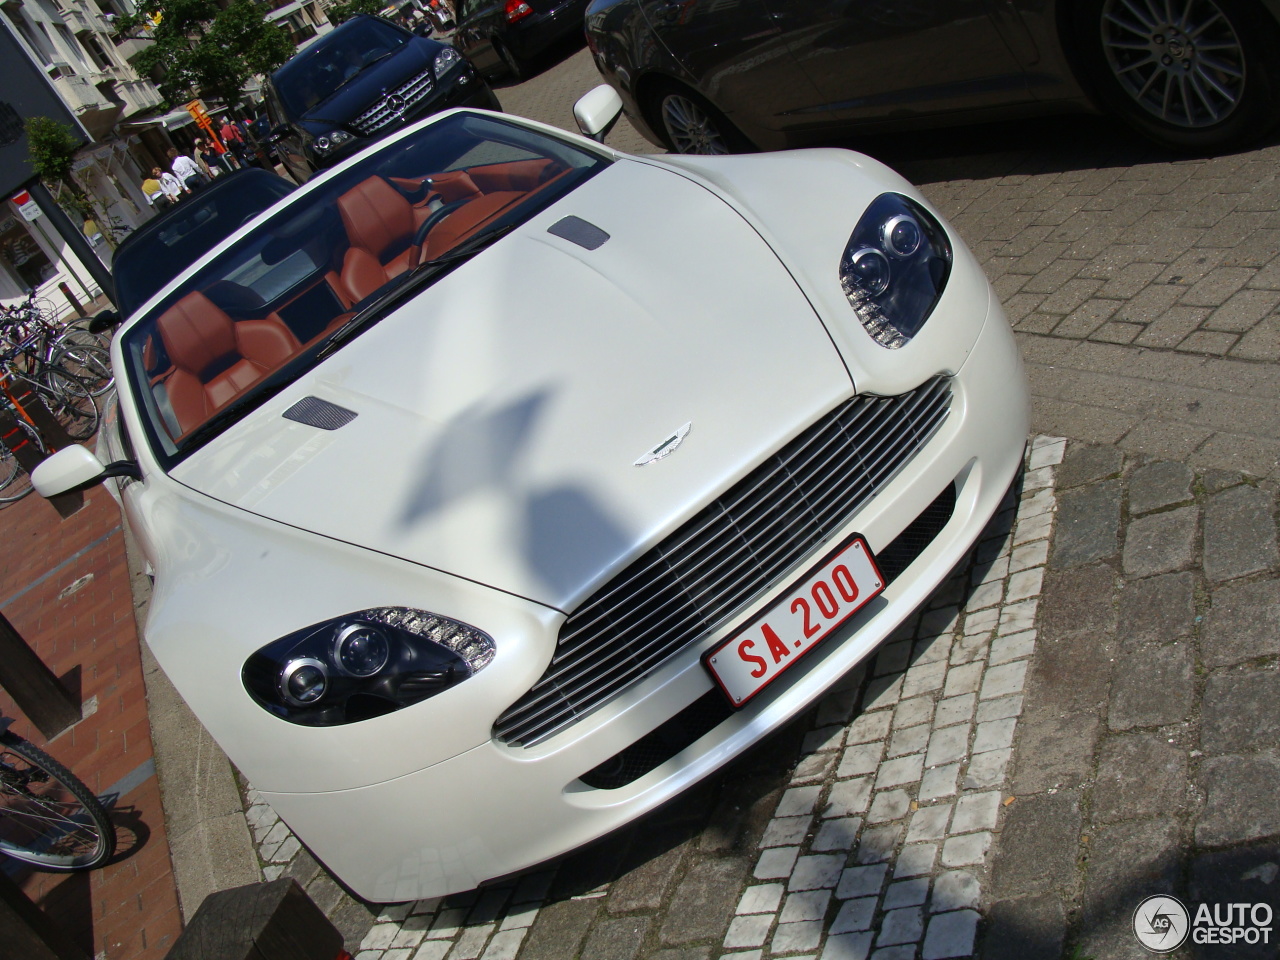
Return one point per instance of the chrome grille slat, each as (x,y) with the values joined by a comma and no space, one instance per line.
(568,637)
(379,115)
(602,600)
(750,539)
(778,552)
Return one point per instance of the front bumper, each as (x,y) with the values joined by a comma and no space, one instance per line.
(495,809)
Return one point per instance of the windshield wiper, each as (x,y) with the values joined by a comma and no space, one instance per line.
(408,284)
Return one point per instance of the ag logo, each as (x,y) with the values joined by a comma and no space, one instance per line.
(1161,923)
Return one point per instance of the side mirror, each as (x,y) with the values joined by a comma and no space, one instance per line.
(597,111)
(103,321)
(278,133)
(76,468)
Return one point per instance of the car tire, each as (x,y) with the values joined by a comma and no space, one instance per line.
(1203,75)
(690,124)
(515,68)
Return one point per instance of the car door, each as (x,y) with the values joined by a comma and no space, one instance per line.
(887,59)
(738,55)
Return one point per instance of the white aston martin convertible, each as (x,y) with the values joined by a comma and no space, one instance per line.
(498,486)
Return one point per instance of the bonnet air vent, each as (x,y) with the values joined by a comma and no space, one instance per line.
(576,230)
(320,413)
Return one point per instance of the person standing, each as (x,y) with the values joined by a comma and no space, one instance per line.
(206,159)
(152,190)
(170,186)
(185,169)
(234,139)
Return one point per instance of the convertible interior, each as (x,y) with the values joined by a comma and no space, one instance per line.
(312,275)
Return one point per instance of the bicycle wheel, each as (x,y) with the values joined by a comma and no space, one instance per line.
(14,481)
(78,334)
(89,364)
(71,403)
(47,816)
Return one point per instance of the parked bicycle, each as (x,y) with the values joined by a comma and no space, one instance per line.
(15,483)
(67,397)
(48,817)
(35,342)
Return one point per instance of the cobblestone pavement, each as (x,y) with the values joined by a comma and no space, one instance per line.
(1147,753)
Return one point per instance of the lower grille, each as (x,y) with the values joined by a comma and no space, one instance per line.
(712,709)
(742,544)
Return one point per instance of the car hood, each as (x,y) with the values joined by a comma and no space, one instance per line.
(367,87)
(501,413)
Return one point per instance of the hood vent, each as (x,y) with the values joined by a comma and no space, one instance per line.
(576,230)
(315,412)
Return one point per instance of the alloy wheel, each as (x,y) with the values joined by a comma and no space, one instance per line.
(1180,60)
(690,127)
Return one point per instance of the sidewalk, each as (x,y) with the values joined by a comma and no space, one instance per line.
(64,585)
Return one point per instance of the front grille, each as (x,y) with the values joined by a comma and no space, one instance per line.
(378,116)
(712,709)
(733,550)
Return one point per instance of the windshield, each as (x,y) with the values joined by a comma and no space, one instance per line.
(314,75)
(329,262)
(161,250)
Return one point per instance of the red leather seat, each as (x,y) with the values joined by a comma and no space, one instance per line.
(380,224)
(215,358)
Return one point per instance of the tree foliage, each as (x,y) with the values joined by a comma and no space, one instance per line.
(202,49)
(52,147)
(339,12)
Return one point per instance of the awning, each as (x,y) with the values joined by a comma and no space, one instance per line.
(172,120)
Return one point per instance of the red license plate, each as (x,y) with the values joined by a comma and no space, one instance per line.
(829,595)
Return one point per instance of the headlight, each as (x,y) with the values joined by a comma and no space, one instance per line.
(446,59)
(333,140)
(363,665)
(894,268)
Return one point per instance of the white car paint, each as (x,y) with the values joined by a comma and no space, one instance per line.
(489,477)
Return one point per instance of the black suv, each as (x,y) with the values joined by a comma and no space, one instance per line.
(359,83)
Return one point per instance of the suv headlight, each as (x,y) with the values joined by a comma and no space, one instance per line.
(446,60)
(333,140)
(363,665)
(894,268)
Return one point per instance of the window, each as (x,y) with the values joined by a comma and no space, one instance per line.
(20,253)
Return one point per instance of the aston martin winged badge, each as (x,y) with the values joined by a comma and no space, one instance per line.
(665,448)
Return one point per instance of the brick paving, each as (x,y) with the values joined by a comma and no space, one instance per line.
(1144,290)
(64,585)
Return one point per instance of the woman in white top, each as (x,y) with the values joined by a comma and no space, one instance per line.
(185,169)
(169,185)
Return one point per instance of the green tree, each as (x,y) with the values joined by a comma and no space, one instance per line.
(52,148)
(202,49)
(339,12)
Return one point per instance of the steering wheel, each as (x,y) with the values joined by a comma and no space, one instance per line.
(434,217)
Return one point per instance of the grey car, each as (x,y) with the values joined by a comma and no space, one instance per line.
(716,76)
